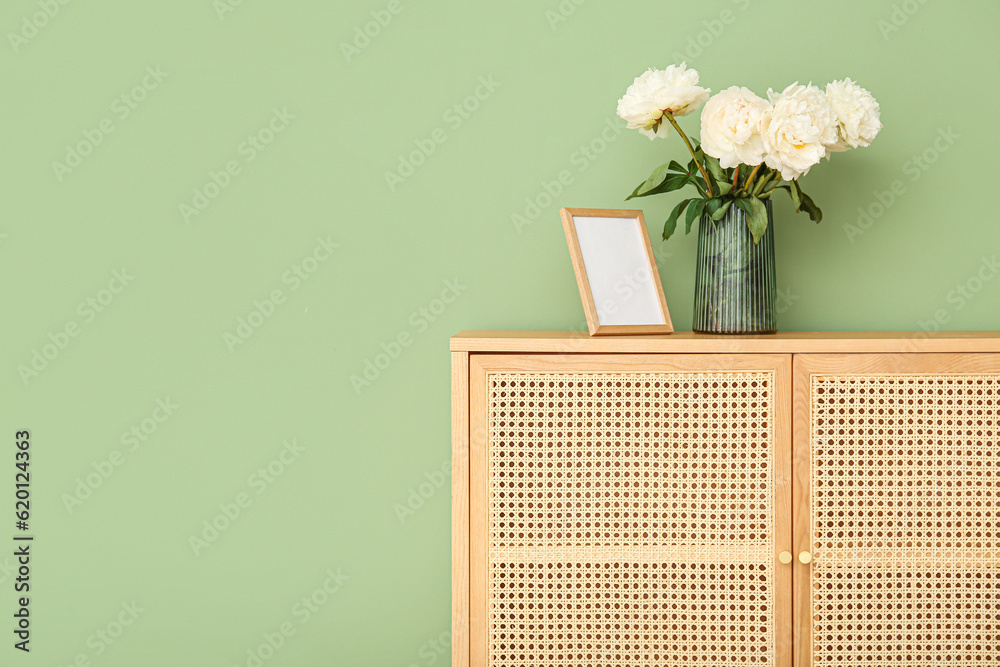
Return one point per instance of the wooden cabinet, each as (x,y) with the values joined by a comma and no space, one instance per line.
(807,499)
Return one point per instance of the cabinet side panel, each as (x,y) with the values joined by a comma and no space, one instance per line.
(479,514)
(460,509)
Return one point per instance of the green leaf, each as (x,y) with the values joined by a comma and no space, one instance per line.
(721,211)
(669,183)
(796,194)
(696,179)
(765,180)
(671,224)
(714,168)
(716,174)
(809,206)
(698,152)
(725,187)
(712,205)
(804,202)
(677,166)
(658,176)
(742,204)
(756,219)
(694,211)
(770,191)
(696,173)
(771,184)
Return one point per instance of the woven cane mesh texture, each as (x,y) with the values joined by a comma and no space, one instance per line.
(631,519)
(905,520)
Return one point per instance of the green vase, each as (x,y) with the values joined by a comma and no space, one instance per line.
(734,281)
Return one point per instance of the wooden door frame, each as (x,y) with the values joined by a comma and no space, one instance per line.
(474,634)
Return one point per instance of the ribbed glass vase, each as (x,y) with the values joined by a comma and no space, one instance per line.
(734,281)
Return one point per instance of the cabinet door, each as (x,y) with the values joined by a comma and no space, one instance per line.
(629,510)
(897,501)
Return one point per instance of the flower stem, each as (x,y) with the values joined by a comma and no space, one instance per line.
(704,174)
(764,181)
(746,186)
(736,175)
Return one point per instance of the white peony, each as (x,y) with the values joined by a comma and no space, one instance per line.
(675,89)
(730,127)
(798,130)
(857,113)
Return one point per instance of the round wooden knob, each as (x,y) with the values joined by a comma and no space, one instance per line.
(805,557)
(785,557)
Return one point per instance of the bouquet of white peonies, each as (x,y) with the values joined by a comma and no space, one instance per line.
(750,146)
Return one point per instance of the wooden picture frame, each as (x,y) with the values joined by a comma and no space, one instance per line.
(616,272)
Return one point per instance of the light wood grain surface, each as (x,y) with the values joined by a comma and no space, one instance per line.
(460,509)
(789,342)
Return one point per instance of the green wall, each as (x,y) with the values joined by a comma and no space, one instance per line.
(277,140)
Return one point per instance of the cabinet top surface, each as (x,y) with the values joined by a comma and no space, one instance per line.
(788,342)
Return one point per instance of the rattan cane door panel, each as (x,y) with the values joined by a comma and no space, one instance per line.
(627,510)
(898,460)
